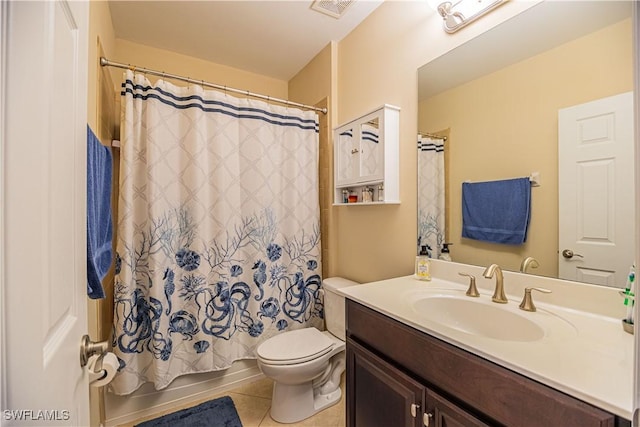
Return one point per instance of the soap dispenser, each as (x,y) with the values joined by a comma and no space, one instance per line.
(444,252)
(423,265)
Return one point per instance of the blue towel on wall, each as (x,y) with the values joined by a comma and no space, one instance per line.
(497,211)
(99,226)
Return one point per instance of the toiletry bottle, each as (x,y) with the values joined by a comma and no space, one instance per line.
(423,265)
(380,193)
(444,252)
(367,195)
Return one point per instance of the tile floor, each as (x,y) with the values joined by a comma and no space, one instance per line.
(253,402)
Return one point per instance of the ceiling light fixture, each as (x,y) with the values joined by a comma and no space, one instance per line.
(456,15)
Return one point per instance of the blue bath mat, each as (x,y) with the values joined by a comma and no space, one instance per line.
(219,412)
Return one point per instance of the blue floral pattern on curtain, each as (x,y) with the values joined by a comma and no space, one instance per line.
(218,243)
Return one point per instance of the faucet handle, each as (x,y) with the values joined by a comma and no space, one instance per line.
(473,290)
(528,262)
(527,301)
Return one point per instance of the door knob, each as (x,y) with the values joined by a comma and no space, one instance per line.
(88,348)
(568,253)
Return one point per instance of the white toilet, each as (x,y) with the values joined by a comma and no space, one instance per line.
(306,364)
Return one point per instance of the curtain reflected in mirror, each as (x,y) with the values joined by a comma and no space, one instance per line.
(431,194)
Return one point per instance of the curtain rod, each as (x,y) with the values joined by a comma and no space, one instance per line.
(107,63)
(433,135)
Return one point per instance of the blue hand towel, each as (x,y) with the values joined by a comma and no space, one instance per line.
(497,211)
(99,227)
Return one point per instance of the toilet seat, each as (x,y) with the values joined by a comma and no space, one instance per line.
(294,347)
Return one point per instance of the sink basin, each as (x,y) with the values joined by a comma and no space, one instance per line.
(477,317)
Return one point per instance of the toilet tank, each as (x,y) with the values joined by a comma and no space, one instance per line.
(334,307)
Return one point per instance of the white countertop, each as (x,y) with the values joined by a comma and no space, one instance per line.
(594,363)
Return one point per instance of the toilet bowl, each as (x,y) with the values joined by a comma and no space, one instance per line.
(306,364)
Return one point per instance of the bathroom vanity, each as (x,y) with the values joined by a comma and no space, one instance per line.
(403,369)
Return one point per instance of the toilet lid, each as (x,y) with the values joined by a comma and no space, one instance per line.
(295,346)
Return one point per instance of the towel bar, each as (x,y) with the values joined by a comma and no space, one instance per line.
(534,178)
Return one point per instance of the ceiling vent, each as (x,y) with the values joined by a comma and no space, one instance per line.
(333,8)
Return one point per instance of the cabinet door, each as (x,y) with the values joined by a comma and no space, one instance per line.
(379,395)
(443,413)
(347,157)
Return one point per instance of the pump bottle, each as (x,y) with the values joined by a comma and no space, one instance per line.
(423,265)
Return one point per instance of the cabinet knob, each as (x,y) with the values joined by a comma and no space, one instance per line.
(354,151)
(414,409)
(426,418)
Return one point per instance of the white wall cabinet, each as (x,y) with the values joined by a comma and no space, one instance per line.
(366,158)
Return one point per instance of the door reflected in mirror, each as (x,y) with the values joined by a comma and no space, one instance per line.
(499,97)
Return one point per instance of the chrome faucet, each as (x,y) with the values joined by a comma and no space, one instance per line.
(498,294)
(528,262)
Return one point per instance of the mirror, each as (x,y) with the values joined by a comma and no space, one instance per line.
(371,156)
(497,98)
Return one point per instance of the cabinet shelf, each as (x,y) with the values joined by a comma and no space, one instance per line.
(386,202)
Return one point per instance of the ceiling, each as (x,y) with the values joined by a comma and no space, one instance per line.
(271,38)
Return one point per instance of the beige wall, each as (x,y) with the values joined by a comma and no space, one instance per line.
(163,60)
(377,64)
(504,125)
(101,117)
(101,42)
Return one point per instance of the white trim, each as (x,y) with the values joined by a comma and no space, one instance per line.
(3,66)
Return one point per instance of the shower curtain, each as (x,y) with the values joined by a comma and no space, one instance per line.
(218,243)
(431,208)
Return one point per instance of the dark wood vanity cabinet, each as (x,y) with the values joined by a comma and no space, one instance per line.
(400,377)
(383,396)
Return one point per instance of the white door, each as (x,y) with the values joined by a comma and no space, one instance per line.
(596,191)
(44,196)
